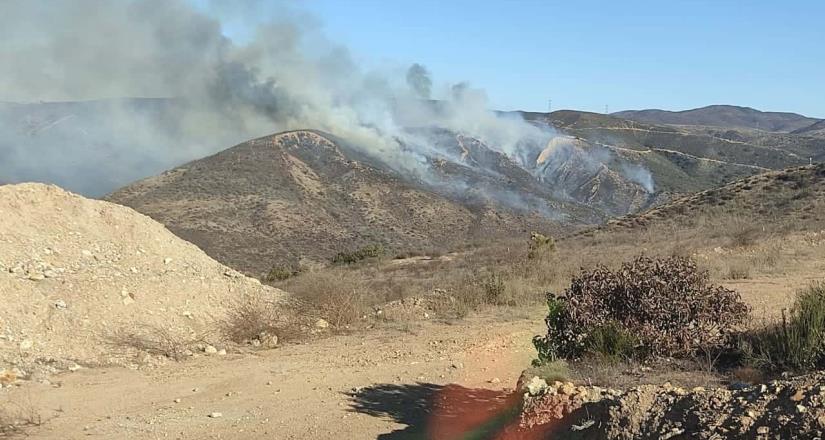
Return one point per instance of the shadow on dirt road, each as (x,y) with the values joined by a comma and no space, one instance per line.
(442,412)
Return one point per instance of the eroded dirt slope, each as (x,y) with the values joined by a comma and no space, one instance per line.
(74,272)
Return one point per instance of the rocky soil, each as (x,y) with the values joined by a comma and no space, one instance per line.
(790,408)
(79,278)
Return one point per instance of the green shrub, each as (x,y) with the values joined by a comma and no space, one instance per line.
(613,342)
(550,349)
(796,343)
(280,273)
(666,304)
(369,251)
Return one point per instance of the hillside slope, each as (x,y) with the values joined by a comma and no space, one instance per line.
(815,129)
(683,159)
(74,272)
(722,116)
(794,197)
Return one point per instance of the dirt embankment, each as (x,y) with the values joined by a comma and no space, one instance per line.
(74,273)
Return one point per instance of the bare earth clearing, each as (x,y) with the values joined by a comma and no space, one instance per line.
(383,383)
(294,392)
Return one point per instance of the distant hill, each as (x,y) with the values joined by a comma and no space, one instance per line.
(787,199)
(723,116)
(683,159)
(307,195)
(815,129)
(65,143)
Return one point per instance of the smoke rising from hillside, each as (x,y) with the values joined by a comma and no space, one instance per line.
(286,77)
(216,92)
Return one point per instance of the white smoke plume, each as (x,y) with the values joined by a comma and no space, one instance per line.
(639,174)
(134,87)
(288,76)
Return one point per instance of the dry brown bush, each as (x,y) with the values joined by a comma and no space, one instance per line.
(648,308)
(341,297)
(253,318)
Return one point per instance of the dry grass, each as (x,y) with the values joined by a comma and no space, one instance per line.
(623,374)
(344,295)
(747,375)
(737,271)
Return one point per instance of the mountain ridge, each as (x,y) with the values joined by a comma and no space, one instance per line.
(721,115)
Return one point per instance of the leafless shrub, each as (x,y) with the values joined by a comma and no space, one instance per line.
(744,235)
(343,307)
(341,297)
(16,417)
(253,318)
(156,340)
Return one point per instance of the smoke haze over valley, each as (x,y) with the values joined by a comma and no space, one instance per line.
(75,85)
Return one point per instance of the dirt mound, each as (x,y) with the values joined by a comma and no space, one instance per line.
(76,273)
(792,408)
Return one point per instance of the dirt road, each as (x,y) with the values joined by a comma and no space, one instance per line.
(374,384)
(368,385)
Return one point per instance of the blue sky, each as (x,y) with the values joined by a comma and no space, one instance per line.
(584,55)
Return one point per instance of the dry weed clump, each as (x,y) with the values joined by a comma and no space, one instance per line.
(16,417)
(280,273)
(339,296)
(156,340)
(540,246)
(661,307)
(738,271)
(485,287)
(262,322)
